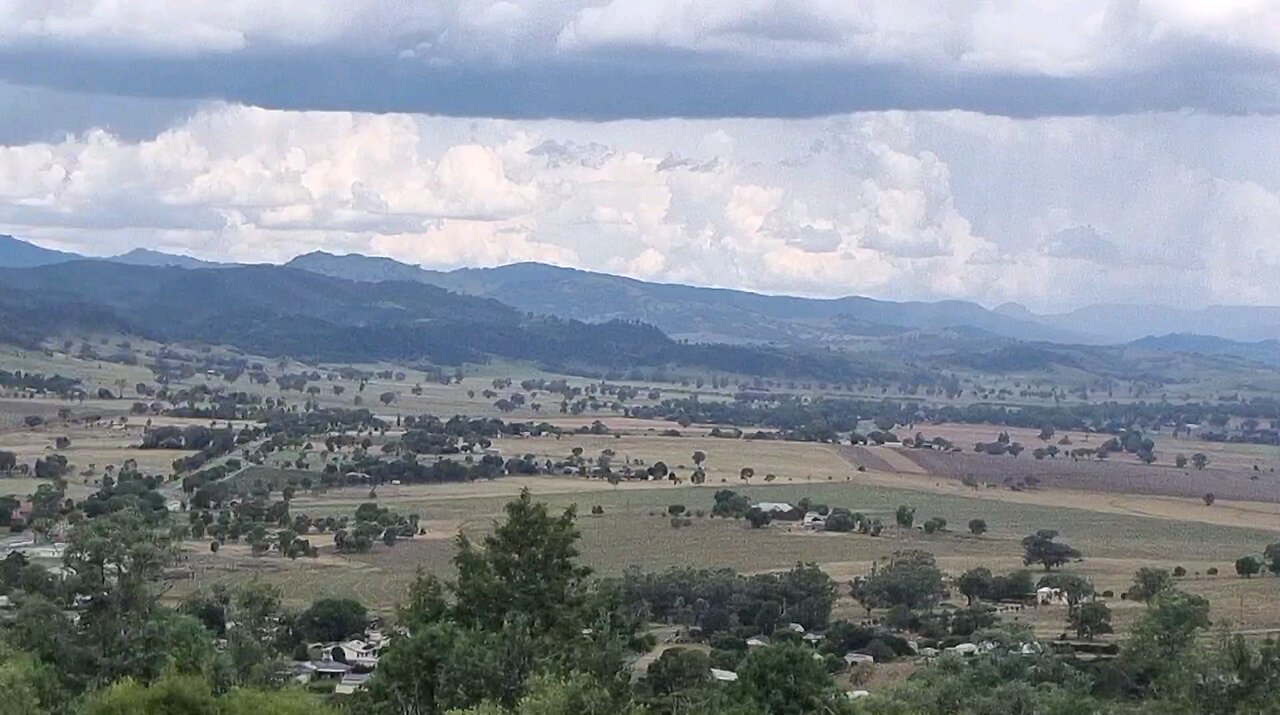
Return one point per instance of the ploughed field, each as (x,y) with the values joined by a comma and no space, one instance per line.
(1117,474)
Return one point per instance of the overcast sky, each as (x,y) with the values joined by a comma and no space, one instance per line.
(1050,153)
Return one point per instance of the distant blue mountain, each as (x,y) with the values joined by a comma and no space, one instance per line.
(20,254)
(697,313)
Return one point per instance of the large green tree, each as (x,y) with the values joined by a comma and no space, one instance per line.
(910,579)
(521,605)
(1042,548)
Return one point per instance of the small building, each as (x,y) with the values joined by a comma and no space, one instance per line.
(328,669)
(1046,596)
(853,660)
(757,642)
(351,682)
(813,520)
(723,676)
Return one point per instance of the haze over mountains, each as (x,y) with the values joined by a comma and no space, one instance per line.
(734,316)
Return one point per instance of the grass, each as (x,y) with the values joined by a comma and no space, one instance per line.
(627,535)
(1117,533)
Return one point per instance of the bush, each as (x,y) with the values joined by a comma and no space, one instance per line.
(675,509)
(977,527)
(597,510)
(901,618)
(1212,571)
(1179,572)
(880,651)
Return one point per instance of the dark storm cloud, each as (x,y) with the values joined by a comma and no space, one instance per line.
(607,87)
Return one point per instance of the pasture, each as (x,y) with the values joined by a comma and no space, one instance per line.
(635,531)
(1122,515)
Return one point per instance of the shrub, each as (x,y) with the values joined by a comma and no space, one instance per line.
(1179,572)
(1212,571)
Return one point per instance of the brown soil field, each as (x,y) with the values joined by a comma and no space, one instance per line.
(1119,474)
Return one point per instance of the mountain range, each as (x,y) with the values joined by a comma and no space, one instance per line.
(700,314)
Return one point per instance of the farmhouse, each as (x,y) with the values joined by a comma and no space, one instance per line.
(1046,596)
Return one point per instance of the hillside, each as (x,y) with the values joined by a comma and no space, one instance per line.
(20,254)
(696,313)
(147,257)
(273,310)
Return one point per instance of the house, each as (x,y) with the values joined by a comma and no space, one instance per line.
(813,520)
(795,628)
(1046,596)
(965,649)
(813,638)
(757,642)
(323,669)
(855,659)
(774,507)
(351,682)
(723,676)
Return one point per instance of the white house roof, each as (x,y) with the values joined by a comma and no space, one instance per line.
(724,676)
(774,506)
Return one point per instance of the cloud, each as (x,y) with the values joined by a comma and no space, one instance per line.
(653,58)
(1052,213)
(1082,243)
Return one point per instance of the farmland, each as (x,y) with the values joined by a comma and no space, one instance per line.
(1119,513)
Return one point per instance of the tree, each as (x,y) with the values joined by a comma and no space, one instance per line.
(1147,582)
(387,398)
(910,579)
(1199,460)
(977,527)
(1272,556)
(28,685)
(786,680)
(333,619)
(746,474)
(1040,548)
(975,584)
(527,566)
(758,518)
(1180,461)
(520,605)
(1090,619)
(699,457)
(904,516)
(677,670)
(1248,566)
(1172,622)
(1209,498)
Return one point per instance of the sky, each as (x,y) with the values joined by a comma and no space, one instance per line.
(1051,153)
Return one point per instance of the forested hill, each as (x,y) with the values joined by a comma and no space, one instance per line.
(273,310)
(687,311)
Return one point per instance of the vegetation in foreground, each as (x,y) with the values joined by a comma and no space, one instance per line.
(525,629)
